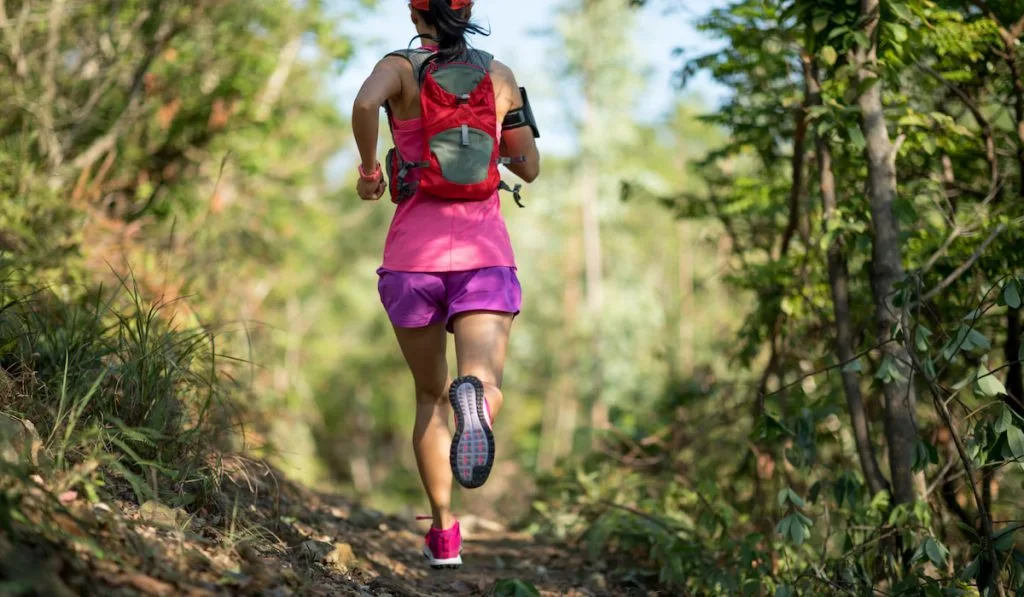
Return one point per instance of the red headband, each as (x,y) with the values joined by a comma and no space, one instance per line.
(425,4)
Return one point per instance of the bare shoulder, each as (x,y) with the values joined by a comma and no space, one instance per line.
(506,90)
(395,63)
(501,71)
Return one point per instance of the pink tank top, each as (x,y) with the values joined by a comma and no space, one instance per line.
(436,235)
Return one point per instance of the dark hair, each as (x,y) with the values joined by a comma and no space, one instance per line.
(452,28)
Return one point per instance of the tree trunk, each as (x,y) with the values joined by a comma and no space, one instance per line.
(590,192)
(796,220)
(887,264)
(1015,375)
(687,300)
(839,280)
(561,405)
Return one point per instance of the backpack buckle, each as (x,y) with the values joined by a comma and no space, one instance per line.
(516,194)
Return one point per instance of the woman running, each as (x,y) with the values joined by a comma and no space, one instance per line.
(448,261)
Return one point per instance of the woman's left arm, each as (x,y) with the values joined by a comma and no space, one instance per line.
(385,83)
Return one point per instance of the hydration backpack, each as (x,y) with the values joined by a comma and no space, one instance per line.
(460,122)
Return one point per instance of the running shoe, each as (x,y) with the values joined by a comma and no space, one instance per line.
(443,549)
(472,454)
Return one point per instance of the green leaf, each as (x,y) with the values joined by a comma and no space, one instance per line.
(971,571)
(813,492)
(788,495)
(513,587)
(935,552)
(857,137)
(798,532)
(862,39)
(838,31)
(978,340)
(820,22)
(901,11)
(899,32)
(866,84)
(784,526)
(921,336)
(1003,540)
(1005,420)
(1011,294)
(989,384)
(1015,440)
(829,55)
(924,454)
(889,372)
(853,367)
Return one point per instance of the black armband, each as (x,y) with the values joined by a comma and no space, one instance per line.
(521,117)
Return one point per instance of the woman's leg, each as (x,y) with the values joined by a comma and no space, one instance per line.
(424,350)
(481,340)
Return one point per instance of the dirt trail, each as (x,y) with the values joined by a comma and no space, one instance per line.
(268,538)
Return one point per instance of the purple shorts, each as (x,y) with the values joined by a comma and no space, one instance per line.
(416,300)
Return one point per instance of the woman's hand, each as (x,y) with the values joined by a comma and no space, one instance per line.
(371,190)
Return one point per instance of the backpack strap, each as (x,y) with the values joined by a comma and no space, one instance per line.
(481,59)
(417,58)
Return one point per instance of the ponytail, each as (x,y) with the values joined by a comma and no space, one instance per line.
(452,26)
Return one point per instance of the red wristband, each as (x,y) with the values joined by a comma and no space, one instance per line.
(373,176)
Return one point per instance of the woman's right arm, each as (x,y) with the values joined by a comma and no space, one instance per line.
(385,83)
(518,142)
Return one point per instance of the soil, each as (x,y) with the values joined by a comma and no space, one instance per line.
(266,537)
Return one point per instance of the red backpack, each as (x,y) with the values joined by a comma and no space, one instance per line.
(460,122)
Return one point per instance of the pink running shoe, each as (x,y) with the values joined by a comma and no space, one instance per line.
(472,454)
(444,548)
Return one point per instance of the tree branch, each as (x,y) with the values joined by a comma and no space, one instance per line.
(979,117)
(13,36)
(103,144)
(953,277)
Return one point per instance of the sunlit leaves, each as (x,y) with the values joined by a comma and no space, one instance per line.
(889,371)
(967,339)
(829,55)
(988,384)
(901,10)
(1015,445)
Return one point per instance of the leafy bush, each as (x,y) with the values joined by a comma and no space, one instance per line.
(111,378)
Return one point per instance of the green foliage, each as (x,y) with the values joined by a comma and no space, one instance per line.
(513,587)
(946,84)
(113,381)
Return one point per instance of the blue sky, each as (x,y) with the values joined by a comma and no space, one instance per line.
(516,40)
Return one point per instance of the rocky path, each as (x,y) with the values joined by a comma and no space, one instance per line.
(267,537)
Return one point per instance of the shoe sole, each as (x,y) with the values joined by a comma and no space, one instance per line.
(452,564)
(472,454)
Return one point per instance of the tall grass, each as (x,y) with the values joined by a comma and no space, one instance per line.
(112,378)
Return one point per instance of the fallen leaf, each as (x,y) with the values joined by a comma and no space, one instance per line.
(341,557)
